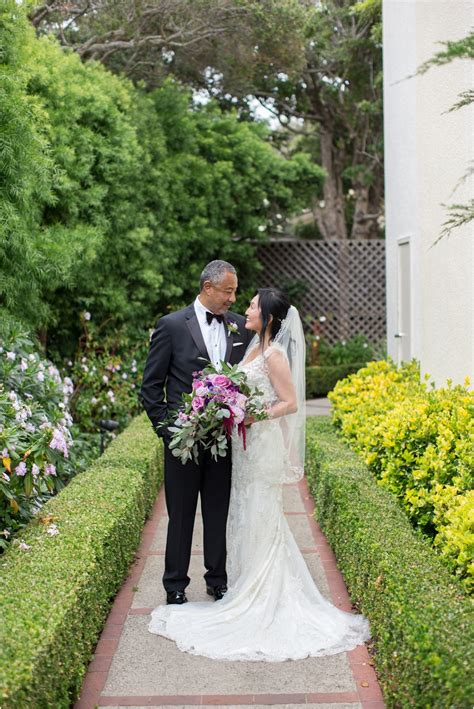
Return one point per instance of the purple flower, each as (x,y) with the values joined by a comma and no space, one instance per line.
(40,377)
(20,469)
(183,417)
(50,469)
(35,470)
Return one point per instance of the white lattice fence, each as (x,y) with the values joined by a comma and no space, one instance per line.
(345,281)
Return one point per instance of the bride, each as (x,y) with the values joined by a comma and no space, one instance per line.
(273,610)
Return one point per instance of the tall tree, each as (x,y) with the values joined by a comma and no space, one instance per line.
(316,66)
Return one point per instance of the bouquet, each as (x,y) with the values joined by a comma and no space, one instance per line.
(220,401)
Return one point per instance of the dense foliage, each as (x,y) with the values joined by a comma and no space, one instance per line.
(419,442)
(422,624)
(57,588)
(113,198)
(317,66)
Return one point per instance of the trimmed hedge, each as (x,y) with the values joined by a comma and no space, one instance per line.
(321,379)
(56,595)
(421,621)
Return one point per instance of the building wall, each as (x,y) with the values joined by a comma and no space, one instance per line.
(426,153)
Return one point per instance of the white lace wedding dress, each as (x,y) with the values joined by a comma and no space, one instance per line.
(273,610)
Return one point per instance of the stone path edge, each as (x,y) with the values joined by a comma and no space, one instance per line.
(368,692)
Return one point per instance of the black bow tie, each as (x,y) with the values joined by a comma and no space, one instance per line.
(209,316)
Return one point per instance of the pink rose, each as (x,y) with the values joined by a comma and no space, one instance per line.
(220,380)
(198,403)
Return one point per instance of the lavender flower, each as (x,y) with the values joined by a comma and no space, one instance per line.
(20,469)
(58,442)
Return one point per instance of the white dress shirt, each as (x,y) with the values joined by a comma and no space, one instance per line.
(214,334)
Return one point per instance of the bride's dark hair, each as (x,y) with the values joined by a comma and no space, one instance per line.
(272,302)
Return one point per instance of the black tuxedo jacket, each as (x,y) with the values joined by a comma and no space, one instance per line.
(177,350)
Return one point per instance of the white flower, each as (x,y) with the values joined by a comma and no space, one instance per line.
(125,375)
(84,360)
(262,227)
(40,377)
(134,369)
(30,428)
(35,470)
(343,343)
(111,395)
(322,204)
(85,367)
(23,365)
(278,216)
(31,357)
(5,477)
(365,345)
(12,396)
(322,318)
(4,453)
(24,546)
(52,530)
(93,400)
(69,364)
(11,355)
(105,379)
(87,316)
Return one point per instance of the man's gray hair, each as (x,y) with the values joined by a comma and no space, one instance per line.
(215,272)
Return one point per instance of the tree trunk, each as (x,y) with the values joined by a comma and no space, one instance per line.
(330,216)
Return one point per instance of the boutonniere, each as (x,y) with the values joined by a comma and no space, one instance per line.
(232,327)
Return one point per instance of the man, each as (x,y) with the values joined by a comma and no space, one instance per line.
(182,343)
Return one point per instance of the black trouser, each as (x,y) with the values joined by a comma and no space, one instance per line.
(183,483)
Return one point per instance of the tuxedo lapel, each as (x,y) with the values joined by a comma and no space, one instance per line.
(229,343)
(195,331)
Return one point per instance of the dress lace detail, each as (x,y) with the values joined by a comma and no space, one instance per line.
(273,610)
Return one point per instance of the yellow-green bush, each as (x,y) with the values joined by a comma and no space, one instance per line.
(419,442)
(57,587)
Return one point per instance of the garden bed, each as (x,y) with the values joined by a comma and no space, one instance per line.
(57,593)
(421,621)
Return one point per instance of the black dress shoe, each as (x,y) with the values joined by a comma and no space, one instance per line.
(217,591)
(176,597)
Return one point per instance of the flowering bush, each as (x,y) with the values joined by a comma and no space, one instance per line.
(107,374)
(420,444)
(220,400)
(35,431)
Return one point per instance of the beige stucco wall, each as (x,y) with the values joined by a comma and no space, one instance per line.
(427,152)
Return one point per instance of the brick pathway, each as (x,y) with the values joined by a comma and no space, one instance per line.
(133,668)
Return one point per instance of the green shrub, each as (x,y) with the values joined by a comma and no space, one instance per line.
(422,624)
(321,379)
(419,442)
(58,582)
